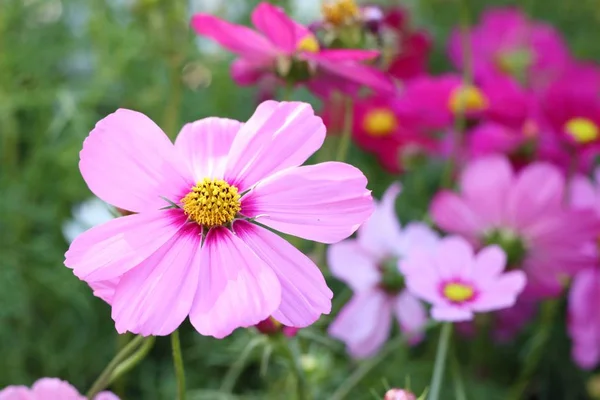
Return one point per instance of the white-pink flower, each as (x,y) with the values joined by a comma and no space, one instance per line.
(369,265)
(192,247)
(458,282)
(49,389)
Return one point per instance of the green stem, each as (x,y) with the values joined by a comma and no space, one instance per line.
(293,352)
(104,378)
(459,385)
(178,363)
(440,361)
(134,360)
(344,144)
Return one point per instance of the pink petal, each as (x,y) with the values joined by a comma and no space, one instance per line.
(381,233)
(326,202)
(337,55)
(410,312)
(414,236)
(105,289)
(245,72)
(276,25)
(277,136)
(454,258)
(364,323)
(586,355)
(304,292)
(489,264)
(485,185)
(204,146)
(451,313)
(582,193)
(106,396)
(130,163)
(238,39)
(108,251)
(16,393)
(365,75)
(350,263)
(502,293)
(421,275)
(236,288)
(452,214)
(54,388)
(156,296)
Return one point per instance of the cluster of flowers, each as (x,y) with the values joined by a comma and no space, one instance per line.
(521,121)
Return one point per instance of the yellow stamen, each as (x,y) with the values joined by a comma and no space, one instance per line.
(212,202)
(467,99)
(380,122)
(340,12)
(582,130)
(308,43)
(458,292)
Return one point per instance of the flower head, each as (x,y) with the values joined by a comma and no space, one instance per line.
(369,265)
(49,388)
(459,283)
(191,247)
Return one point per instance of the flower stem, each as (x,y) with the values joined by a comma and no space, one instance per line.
(344,144)
(134,360)
(440,361)
(105,377)
(459,385)
(178,363)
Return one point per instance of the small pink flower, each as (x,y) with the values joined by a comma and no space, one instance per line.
(399,394)
(524,213)
(191,248)
(458,283)
(369,265)
(584,319)
(49,389)
(290,50)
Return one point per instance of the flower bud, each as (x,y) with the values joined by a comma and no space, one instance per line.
(399,394)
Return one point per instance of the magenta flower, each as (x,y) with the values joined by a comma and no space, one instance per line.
(525,214)
(285,48)
(459,283)
(49,389)
(192,247)
(507,43)
(584,319)
(369,265)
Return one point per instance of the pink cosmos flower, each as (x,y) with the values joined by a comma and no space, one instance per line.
(287,49)
(191,248)
(459,283)
(49,389)
(369,265)
(584,319)
(399,394)
(507,43)
(525,214)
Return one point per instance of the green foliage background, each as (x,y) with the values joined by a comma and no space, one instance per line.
(61,70)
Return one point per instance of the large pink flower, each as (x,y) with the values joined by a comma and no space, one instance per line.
(369,265)
(49,389)
(290,50)
(584,319)
(525,213)
(459,283)
(192,247)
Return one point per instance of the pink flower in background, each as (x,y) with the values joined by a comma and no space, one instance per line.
(524,213)
(191,248)
(507,43)
(49,389)
(585,193)
(285,48)
(583,321)
(459,283)
(369,265)
(399,394)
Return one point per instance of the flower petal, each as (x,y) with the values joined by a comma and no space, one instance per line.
(238,39)
(326,202)
(276,25)
(54,388)
(106,396)
(454,258)
(450,313)
(130,163)
(350,263)
(582,193)
(452,214)
(489,264)
(279,135)
(236,288)
(364,323)
(204,145)
(16,393)
(156,296)
(304,292)
(502,294)
(108,251)
(410,312)
(365,75)
(346,55)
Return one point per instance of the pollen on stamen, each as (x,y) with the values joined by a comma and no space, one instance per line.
(458,292)
(467,98)
(212,202)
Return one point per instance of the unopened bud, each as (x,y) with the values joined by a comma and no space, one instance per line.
(399,394)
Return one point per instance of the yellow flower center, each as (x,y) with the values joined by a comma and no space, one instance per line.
(308,43)
(582,130)
(380,122)
(212,202)
(339,12)
(467,99)
(458,292)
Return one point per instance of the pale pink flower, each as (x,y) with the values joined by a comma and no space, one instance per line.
(584,318)
(191,248)
(399,394)
(525,213)
(49,389)
(458,282)
(369,265)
